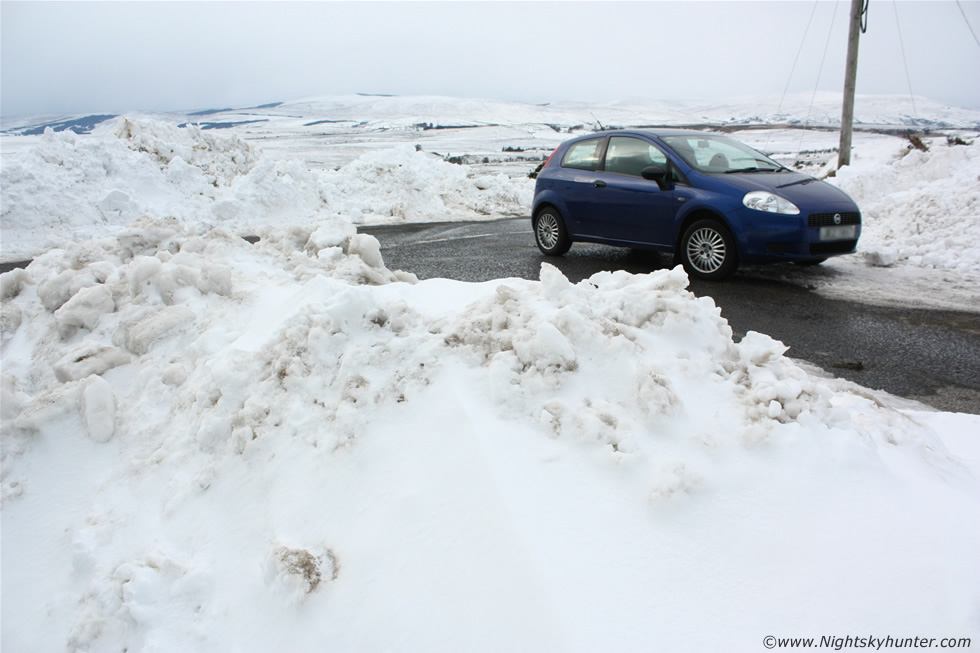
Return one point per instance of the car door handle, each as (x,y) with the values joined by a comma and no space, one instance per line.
(598,183)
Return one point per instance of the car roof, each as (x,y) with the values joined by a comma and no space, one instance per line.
(654,131)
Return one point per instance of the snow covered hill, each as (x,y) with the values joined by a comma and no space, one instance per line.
(408,112)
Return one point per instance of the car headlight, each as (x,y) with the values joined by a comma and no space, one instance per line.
(760,200)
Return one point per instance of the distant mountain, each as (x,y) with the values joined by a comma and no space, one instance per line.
(371,111)
(821,110)
(79,125)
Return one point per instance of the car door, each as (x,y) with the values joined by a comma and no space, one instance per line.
(623,206)
(576,181)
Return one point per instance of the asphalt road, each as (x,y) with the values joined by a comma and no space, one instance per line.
(927,355)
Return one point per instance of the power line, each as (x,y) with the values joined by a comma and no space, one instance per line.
(799,51)
(905,62)
(816,86)
(967,21)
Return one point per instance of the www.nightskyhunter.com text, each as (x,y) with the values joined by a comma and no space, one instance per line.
(871,642)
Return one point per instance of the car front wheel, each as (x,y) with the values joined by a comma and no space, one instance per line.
(550,233)
(708,251)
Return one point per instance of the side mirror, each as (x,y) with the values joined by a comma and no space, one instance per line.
(657,173)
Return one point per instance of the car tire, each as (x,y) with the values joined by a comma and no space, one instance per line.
(550,233)
(708,251)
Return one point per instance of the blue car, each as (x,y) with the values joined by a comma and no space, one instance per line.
(709,199)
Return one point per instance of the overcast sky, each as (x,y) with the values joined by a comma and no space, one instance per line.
(113,57)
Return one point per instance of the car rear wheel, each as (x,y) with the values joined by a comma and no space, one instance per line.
(550,233)
(708,251)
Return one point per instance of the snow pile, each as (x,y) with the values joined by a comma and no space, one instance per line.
(219,159)
(70,188)
(403,185)
(103,301)
(251,447)
(920,209)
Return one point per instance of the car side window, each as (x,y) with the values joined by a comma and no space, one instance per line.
(583,155)
(629,156)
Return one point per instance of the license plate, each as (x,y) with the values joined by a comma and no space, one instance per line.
(844,232)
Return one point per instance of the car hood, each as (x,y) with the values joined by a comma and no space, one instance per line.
(796,187)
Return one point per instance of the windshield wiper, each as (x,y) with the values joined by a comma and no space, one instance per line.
(754,169)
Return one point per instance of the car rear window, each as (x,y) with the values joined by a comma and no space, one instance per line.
(583,155)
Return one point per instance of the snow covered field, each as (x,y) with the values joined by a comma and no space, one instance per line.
(209,444)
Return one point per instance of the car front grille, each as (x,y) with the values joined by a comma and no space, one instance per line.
(827,219)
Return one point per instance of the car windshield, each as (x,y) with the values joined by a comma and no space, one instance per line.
(714,153)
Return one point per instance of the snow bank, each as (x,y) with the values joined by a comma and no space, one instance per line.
(69,187)
(920,209)
(210,445)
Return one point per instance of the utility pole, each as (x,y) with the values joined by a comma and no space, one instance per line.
(858,10)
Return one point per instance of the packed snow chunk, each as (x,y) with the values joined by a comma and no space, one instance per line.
(553,282)
(174,375)
(88,359)
(117,206)
(545,348)
(216,279)
(775,409)
(224,395)
(56,289)
(148,236)
(758,348)
(84,545)
(162,601)
(139,336)
(330,234)
(141,271)
(11,317)
(48,407)
(368,248)
(173,278)
(300,571)
(86,308)
(98,406)
(655,392)
(882,258)
(11,283)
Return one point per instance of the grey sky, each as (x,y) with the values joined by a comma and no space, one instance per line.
(75,57)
